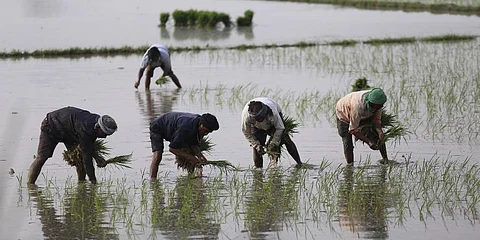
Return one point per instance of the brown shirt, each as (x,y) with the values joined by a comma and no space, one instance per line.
(352,109)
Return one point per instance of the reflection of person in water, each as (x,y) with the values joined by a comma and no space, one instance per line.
(82,218)
(363,208)
(187,214)
(270,202)
(157,102)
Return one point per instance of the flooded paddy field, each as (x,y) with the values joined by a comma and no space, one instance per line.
(43,24)
(430,190)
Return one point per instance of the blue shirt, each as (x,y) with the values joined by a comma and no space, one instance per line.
(179,128)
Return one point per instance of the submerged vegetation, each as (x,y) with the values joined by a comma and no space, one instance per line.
(433,6)
(332,199)
(75,52)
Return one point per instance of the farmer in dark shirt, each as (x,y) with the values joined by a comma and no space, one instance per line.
(181,130)
(72,126)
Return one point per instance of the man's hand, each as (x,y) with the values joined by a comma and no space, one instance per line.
(273,148)
(194,160)
(260,149)
(137,83)
(202,159)
(101,163)
(372,145)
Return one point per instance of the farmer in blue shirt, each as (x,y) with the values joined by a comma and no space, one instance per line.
(72,126)
(182,130)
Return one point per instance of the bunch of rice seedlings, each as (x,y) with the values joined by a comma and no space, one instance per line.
(246,19)
(205,146)
(162,80)
(392,128)
(291,127)
(100,152)
(164,16)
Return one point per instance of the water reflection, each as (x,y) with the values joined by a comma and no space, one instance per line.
(81,215)
(42,8)
(185,211)
(246,31)
(154,103)
(271,202)
(363,203)
(203,34)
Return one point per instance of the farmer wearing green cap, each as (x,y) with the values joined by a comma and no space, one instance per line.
(353,108)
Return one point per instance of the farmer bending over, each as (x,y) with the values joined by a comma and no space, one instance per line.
(72,126)
(156,56)
(261,117)
(353,108)
(182,130)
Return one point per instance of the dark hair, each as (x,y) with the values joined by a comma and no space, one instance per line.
(153,53)
(209,121)
(258,110)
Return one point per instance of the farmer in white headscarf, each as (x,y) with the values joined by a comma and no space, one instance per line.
(262,116)
(156,56)
(72,126)
(353,108)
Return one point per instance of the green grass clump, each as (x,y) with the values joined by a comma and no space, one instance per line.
(164,16)
(246,19)
(74,157)
(391,40)
(448,38)
(195,18)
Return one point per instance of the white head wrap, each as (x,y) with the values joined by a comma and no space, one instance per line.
(107,124)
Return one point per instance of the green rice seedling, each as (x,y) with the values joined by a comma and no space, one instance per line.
(74,156)
(162,80)
(343,43)
(448,38)
(192,17)
(291,127)
(391,41)
(246,19)
(181,18)
(205,146)
(225,19)
(164,16)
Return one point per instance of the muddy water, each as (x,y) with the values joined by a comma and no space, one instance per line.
(33,87)
(34,24)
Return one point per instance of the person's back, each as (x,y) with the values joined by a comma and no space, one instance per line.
(173,124)
(71,123)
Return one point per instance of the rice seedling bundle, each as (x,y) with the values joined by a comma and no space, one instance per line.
(74,156)
(205,146)
(392,128)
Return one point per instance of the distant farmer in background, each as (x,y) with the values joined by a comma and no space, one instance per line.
(72,126)
(262,116)
(156,56)
(182,130)
(353,108)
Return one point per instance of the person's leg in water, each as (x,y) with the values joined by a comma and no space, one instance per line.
(81,173)
(148,76)
(291,148)
(261,136)
(346,140)
(156,141)
(46,146)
